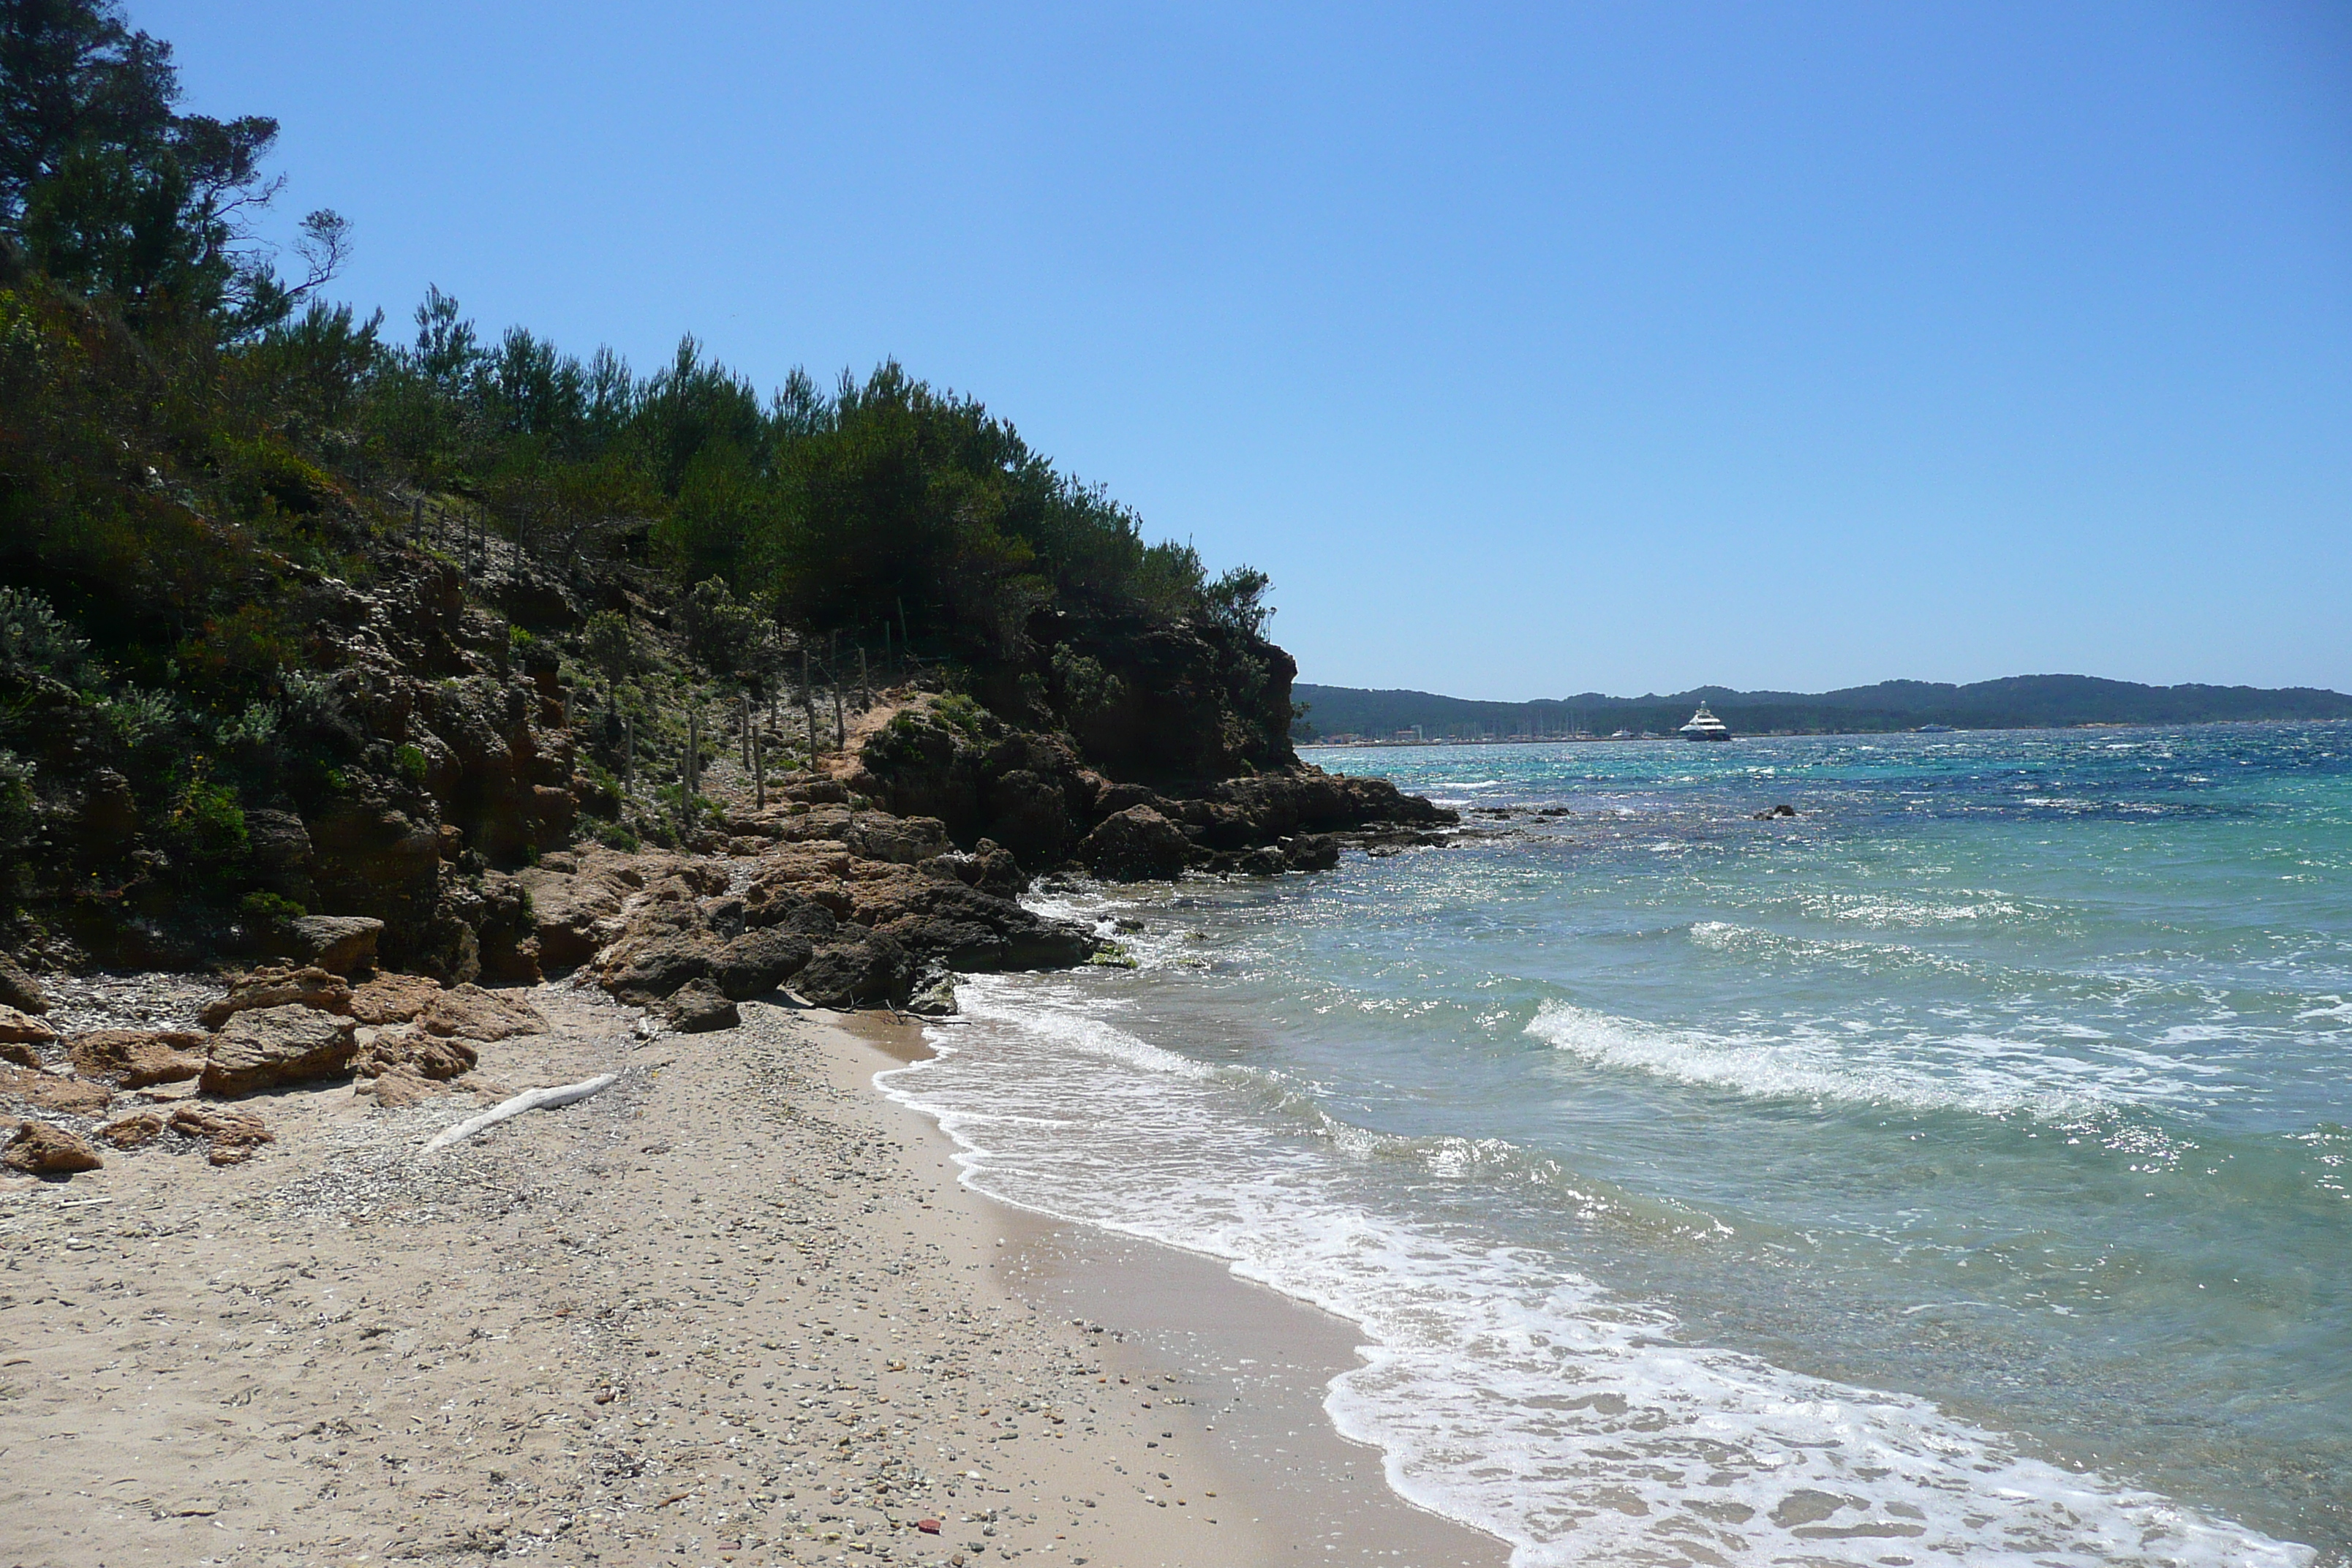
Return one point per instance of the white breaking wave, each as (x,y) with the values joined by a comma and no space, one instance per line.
(1978,1073)
(1503,1390)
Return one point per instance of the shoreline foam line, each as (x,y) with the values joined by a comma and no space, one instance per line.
(1503,1391)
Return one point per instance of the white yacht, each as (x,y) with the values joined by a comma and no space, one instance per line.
(1704,726)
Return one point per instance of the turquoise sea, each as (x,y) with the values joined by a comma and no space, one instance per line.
(1957,1172)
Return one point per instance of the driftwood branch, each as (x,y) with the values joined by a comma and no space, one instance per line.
(529,1100)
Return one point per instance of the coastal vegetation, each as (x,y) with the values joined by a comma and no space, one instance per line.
(285,590)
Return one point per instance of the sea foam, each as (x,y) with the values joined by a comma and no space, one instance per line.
(1504,1388)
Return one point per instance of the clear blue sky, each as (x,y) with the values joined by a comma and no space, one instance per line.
(1532,349)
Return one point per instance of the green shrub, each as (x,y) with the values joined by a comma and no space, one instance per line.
(411,760)
(269,909)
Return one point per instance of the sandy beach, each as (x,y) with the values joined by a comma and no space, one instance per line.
(736,1309)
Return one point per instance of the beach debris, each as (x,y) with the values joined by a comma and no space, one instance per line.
(928,1526)
(344,944)
(394,998)
(279,985)
(20,989)
(137,1058)
(529,1100)
(39,1148)
(271,1046)
(233,1135)
(474,1014)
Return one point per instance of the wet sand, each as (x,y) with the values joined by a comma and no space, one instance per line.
(734,1309)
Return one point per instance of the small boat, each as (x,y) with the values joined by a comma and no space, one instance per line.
(1704,726)
(1622,735)
(1933,729)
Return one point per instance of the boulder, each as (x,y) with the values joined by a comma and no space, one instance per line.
(18,989)
(20,1053)
(135,1058)
(697,1007)
(394,998)
(341,944)
(268,1046)
(278,986)
(758,962)
(54,1091)
(1312,851)
(231,1134)
(936,1000)
(135,1131)
(1137,845)
(468,1012)
(413,1052)
(21,1028)
(653,968)
(872,970)
(39,1148)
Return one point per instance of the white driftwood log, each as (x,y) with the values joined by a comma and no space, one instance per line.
(529,1100)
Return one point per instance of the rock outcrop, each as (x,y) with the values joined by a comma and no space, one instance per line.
(1036,795)
(268,1047)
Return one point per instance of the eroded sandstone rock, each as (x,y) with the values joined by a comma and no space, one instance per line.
(136,1059)
(266,1048)
(19,1027)
(394,998)
(468,1012)
(341,944)
(231,1133)
(54,1091)
(415,1052)
(39,1148)
(135,1131)
(279,985)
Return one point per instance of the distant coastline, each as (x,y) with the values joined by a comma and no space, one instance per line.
(1341,715)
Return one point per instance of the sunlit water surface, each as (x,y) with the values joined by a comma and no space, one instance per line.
(1956,1173)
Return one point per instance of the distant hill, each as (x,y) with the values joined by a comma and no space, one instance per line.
(2018,702)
